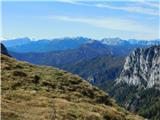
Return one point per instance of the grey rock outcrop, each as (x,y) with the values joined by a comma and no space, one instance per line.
(142,68)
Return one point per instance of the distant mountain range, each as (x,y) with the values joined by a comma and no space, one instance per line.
(25,45)
(16,42)
(118,41)
(84,52)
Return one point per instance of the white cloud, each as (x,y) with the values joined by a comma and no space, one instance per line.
(153,4)
(132,9)
(67,1)
(135,7)
(108,23)
(150,3)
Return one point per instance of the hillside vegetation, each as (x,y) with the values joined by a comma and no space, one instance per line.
(99,71)
(32,92)
(145,102)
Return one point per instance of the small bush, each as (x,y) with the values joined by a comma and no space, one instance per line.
(19,73)
(36,79)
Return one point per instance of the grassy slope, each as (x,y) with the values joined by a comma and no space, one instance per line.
(32,92)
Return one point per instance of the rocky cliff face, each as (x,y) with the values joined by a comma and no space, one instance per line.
(142,68)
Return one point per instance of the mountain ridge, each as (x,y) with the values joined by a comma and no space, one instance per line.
(138,86)
(142,68)
(46,45)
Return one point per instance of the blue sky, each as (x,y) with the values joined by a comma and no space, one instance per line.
(71,18)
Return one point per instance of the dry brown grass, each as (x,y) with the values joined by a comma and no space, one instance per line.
(43,93)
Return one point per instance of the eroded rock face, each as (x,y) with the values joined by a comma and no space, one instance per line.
(142,68)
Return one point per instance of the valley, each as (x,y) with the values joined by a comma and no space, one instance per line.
(128,73)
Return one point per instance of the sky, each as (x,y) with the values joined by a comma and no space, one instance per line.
(40,19)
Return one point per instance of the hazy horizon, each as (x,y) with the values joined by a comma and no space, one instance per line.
(61,38)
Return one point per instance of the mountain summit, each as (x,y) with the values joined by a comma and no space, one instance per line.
(142,68)
(138,86)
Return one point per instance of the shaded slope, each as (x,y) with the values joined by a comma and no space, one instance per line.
(84,52)
(45,93)
(4,50)
(99,71)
